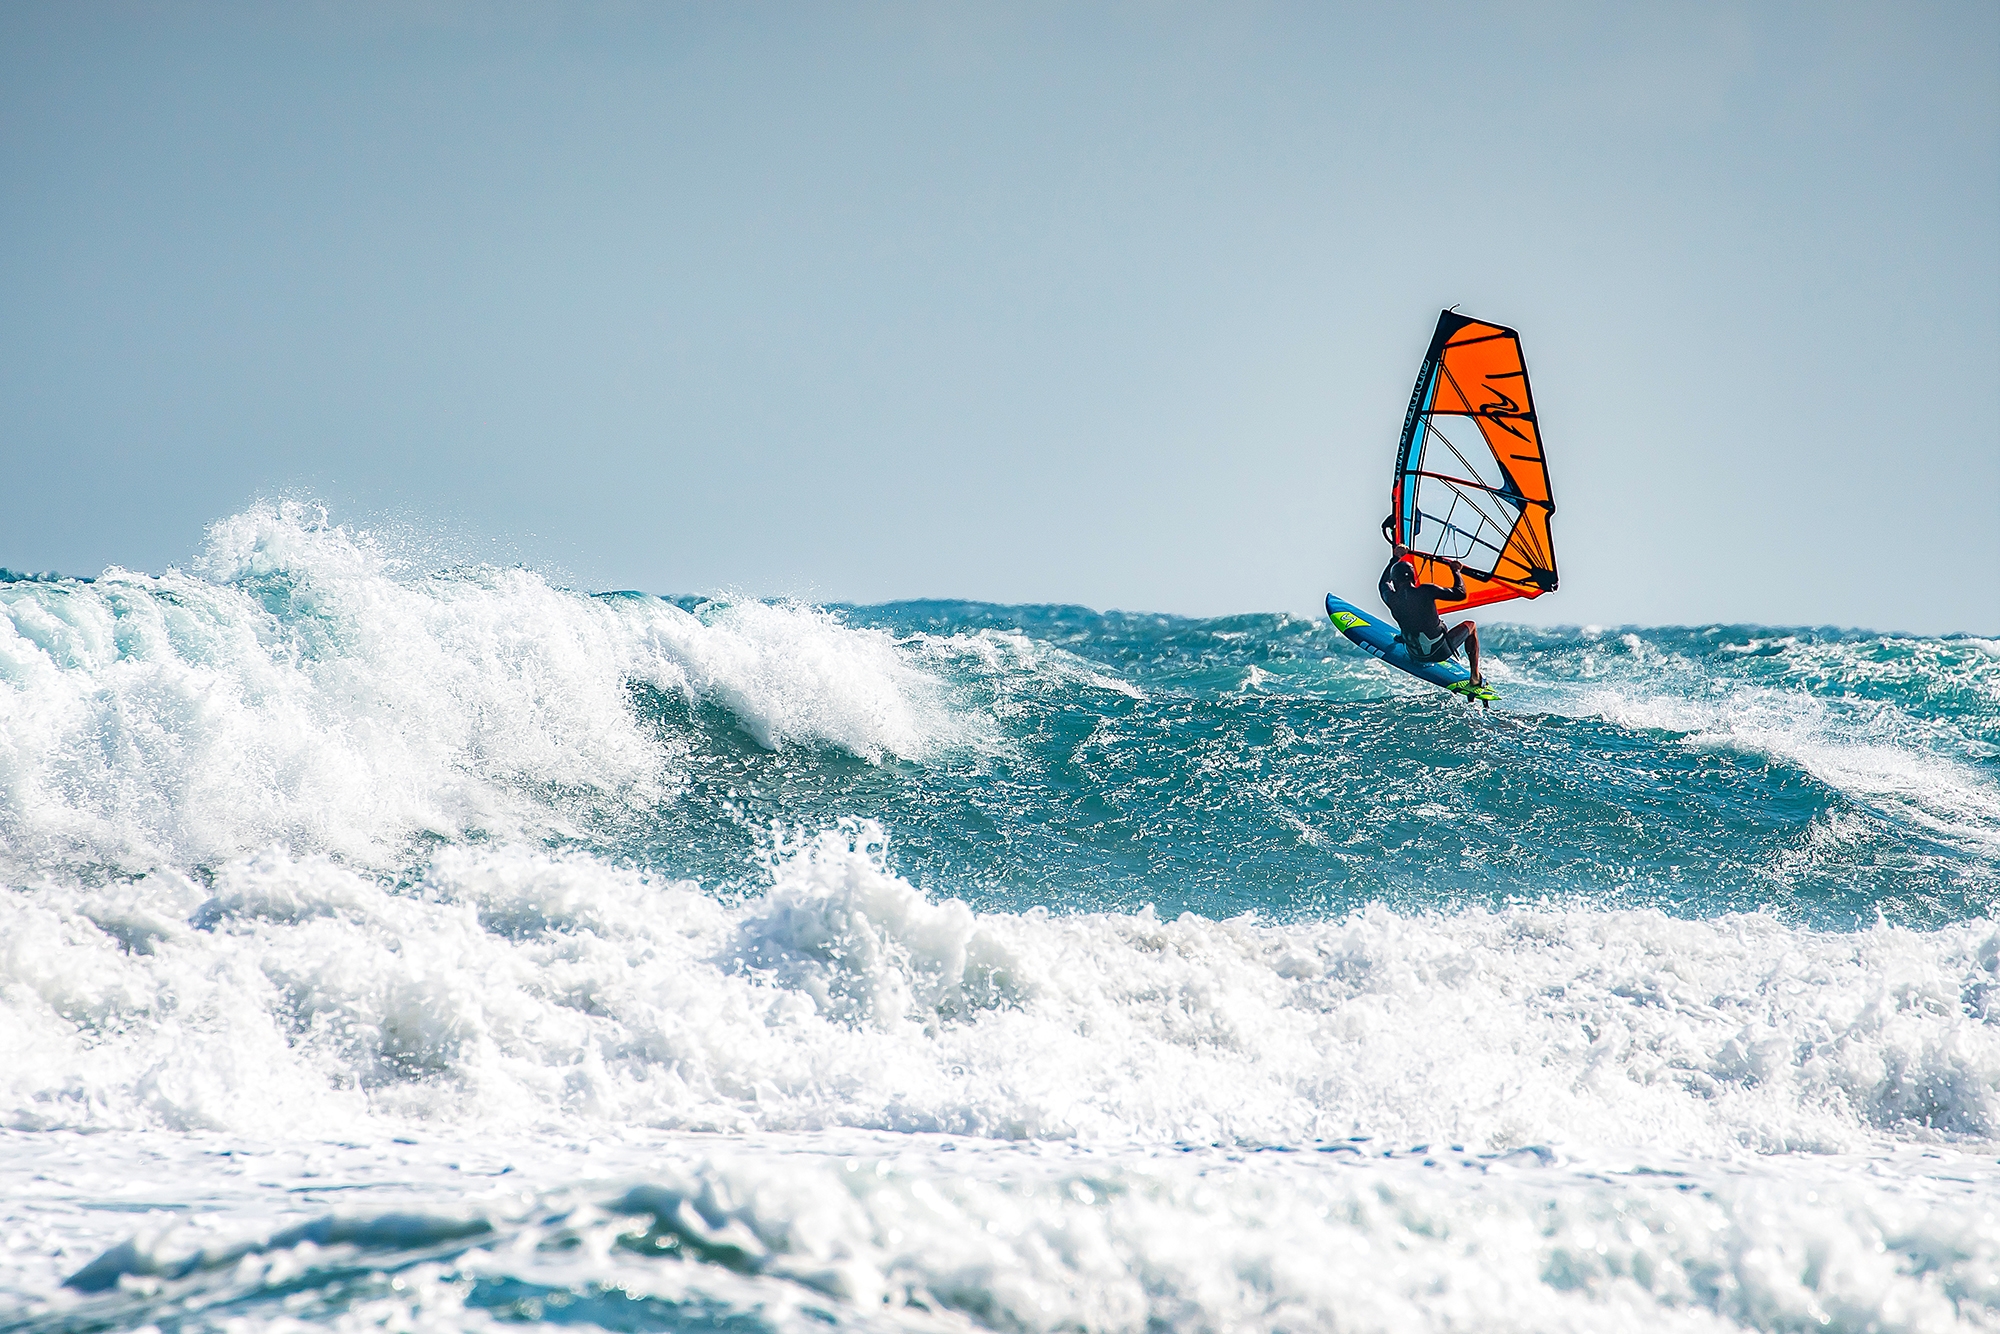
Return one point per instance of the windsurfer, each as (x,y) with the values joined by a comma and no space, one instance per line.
(1414,605)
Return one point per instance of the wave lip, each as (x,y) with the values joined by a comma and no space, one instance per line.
(792,674)
(135,1258)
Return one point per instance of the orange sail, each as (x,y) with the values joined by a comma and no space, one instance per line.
(1471,481)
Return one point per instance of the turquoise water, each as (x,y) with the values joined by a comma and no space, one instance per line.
(1254,764)
(426,947)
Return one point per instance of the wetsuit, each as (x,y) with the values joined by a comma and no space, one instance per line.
(1415,610)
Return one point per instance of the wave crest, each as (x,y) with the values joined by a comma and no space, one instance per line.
(307,688)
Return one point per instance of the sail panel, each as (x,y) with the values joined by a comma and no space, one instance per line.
(1471,480)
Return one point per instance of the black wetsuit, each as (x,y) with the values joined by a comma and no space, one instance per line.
(1415,610)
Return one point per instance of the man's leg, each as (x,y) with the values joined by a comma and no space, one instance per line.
(1466,635)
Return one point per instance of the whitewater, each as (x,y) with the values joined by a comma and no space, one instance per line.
(396,943)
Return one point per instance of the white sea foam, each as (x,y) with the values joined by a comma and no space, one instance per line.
(514,988)
(305,688)
(923,1233)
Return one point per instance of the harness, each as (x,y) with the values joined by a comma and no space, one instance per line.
(1428,648)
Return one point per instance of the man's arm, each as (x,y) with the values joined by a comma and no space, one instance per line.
(1456,593)
(1396,549)
(1389,530)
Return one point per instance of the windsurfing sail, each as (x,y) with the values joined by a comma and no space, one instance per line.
(1471,481)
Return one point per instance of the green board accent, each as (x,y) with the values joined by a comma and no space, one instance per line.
(1347,620)
(1471,691)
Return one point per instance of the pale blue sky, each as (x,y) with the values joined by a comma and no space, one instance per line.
(1117,305)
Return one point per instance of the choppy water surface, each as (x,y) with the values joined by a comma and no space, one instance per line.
(386,945)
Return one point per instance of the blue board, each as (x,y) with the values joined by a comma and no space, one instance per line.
(1379,638)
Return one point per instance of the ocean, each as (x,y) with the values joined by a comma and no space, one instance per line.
(408,944)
